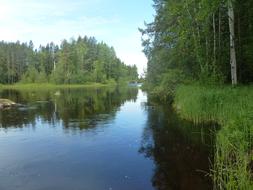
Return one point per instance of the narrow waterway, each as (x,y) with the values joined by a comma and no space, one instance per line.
(99,139)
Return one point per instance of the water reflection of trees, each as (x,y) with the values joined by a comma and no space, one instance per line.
(75,108)
(180,150)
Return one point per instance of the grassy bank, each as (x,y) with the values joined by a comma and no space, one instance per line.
(41,86)
(232,108)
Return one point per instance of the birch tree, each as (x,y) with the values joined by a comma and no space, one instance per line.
(231,18)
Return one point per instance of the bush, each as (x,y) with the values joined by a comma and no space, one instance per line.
(165,91)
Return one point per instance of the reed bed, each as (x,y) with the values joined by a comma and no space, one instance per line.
(232,109)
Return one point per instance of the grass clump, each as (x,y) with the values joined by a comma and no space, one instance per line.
(42,86)
(232,108)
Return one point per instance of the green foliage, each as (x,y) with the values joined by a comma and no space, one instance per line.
(74,62)
(50,86)
(99,73)
(193,36)
(232,109)
(166,89)
(30,76)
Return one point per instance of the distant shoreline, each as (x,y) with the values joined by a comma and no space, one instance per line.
(42,86)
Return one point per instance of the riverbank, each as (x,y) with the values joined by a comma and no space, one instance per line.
(41,86)
(232,109)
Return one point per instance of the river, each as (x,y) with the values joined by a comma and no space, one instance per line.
(99,139)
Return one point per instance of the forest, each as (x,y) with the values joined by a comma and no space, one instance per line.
(200,56)
(192,39)
(76,61)
(199,78)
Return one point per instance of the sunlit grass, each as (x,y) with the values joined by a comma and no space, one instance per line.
(41,86)
(232,108)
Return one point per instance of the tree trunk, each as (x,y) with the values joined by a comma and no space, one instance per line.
(219,37)
(214,39)
(231,18)
(240,77)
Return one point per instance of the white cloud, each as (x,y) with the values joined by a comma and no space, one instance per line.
(128,48)
(134,58)
(44,21)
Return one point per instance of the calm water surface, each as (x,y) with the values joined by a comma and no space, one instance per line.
(99,139)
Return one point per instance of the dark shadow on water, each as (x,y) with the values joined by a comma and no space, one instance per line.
(118,139)
(181,150)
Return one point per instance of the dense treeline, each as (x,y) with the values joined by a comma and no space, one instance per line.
(203,43)
(194,39)
(75,61)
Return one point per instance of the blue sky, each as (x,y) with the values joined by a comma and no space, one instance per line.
(112,21)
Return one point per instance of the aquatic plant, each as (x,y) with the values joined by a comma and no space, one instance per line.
(232,108)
